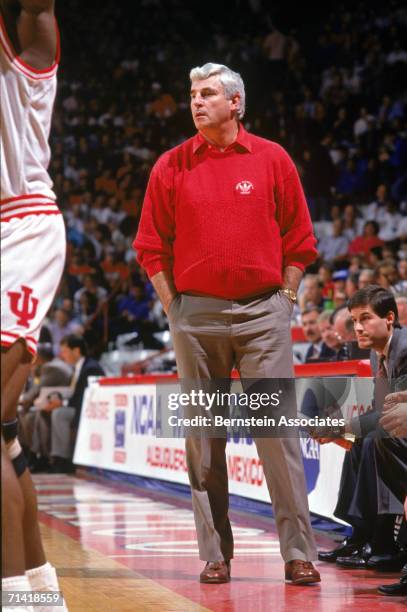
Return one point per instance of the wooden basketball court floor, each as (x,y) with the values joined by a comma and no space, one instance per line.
(120,548)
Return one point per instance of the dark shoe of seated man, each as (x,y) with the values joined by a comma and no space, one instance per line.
(40,464)
(368,558)
(301,572)
(61,465)
(388,563)
(344,549)
(357,560)
(215,572)
(397,589)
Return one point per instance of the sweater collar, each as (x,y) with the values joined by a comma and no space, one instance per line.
(242,142)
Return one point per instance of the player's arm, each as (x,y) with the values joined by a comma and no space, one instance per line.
(37,33)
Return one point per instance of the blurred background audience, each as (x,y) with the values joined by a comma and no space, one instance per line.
(328,84)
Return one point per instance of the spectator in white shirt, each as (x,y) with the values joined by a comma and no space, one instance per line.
(389,220)
(371,210)
(361,124)
(89,284)
(352,226)
(334,247)
(61,325)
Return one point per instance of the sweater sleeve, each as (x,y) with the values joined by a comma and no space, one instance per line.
(156,231)
(298,240)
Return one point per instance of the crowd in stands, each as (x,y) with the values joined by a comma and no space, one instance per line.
(331,89)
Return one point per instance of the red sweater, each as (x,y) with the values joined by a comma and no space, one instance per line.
(225,223)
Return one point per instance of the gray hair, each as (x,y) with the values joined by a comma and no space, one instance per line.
(325,316)
(232,82)
(369,271)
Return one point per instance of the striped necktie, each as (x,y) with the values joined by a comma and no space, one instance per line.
(382,386)
(381,370)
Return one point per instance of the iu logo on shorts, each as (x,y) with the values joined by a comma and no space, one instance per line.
(23,305)
(244,187)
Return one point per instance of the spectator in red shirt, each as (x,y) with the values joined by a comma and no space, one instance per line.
(369,239)
(225,235)
(325,277)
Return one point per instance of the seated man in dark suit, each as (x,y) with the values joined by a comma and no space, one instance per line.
(65,419)
(50,372)
(377,327)
(391,460)
(364,499)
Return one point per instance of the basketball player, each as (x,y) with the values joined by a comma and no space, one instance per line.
(33,254)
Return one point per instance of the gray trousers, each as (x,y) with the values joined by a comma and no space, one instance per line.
(210,337)
(41,437)
(35,432)
(26,427)
(48,436)
(61,442)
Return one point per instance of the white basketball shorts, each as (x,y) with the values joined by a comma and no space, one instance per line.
(32,261)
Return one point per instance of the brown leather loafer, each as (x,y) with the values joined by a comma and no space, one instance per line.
(301,572)
(215,572)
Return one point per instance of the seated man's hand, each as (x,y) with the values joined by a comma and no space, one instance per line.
(394,420)
(52,404)
(399,397)
(324,440)
(342,442)
(326,432)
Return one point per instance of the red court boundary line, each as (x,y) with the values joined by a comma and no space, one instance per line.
(353,367)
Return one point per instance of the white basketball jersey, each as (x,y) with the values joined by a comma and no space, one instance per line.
(27,99)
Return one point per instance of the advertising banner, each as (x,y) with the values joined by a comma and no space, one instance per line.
(117,432)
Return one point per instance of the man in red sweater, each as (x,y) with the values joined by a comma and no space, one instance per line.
(225,236)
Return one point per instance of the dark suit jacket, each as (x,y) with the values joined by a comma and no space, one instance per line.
(396,374)
(326,354)
(90,368)
(354,352)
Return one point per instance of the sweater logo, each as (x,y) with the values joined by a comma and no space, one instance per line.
(244,187)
